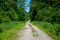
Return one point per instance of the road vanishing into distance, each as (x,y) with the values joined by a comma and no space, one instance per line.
(31,32)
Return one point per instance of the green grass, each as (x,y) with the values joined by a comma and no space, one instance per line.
(50,29)
(8,31)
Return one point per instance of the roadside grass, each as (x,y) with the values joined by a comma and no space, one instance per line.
(8,31)
(50,29)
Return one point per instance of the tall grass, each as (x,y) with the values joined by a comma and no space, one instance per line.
(50,29)
(8,31)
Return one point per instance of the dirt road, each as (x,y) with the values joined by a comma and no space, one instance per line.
(31,32)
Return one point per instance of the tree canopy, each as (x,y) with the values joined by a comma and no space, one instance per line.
(45,10)
(9,11)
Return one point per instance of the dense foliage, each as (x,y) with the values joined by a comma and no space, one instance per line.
(45,10)
(11,16)
(48,12)
(51,29)
(9,11)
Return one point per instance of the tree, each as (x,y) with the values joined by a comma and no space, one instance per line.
(9,11)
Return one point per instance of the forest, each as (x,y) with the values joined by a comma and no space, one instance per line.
(44,13)
(11,18)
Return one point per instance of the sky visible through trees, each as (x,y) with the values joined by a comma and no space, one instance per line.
(27,5)
(44,13)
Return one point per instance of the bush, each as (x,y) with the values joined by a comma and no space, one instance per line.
(51,29)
